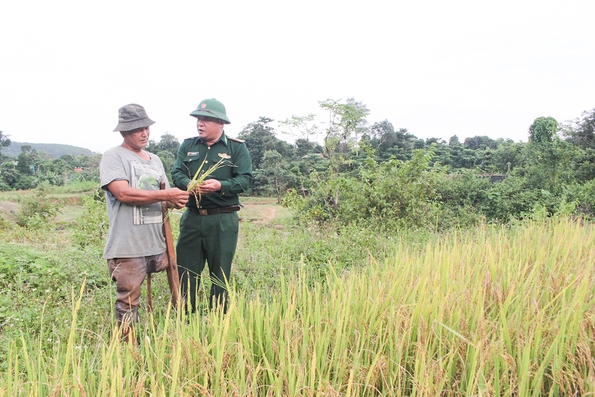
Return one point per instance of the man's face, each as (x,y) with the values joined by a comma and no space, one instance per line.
(209,128)
(137,139)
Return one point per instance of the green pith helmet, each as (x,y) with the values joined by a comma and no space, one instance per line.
(211,108)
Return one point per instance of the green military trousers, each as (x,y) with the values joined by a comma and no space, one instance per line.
(210,238)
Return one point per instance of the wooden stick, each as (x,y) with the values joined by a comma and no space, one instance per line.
(149,296)
(172,270)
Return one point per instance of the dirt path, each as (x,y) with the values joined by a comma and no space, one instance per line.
(272,213)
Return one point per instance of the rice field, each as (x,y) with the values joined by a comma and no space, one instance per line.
(493,311)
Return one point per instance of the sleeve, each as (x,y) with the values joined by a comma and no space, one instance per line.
(111,169)
(242,173)
(179,173)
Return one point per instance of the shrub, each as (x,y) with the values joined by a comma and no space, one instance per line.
(388,195)
(37,209)
(92,225)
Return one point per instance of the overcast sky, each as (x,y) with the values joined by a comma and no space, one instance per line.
(437,68)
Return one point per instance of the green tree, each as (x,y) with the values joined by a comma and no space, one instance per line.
(260,137)
(168,143)
(453,141)
(387,142)
(25,161)
(549,157)
(480,143)
(9,174)
(581,132)
(508,156)
(275,173)
(304,148)
(543,130)
(302,127)
(347,122)
(54,171)
(4,141)
(168,159)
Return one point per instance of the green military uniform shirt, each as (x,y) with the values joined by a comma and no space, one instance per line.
(235,178)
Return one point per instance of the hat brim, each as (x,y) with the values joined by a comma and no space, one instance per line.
(133,125)
(210,113)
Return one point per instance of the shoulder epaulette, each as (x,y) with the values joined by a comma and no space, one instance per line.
(236,139)
(192,137)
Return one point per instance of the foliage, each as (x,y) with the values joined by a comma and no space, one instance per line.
(543,130)
(92,225)
(4,141)
(33,168)
(35,293)
(390,143)
(581,131)
(168,143)
(480,143)
(391,194)
(302,127)
(346,124)
(548,170)
(461,196)
(274,175)
(260,137)
(37,209)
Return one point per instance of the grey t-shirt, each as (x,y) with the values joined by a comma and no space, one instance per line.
(134,230)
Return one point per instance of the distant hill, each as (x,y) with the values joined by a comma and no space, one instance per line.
(55,149)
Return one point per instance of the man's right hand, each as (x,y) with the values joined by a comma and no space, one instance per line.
(177,197)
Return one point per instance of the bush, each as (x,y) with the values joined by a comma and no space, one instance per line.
(37,209)
(389,195)
(462,197)
(92,225)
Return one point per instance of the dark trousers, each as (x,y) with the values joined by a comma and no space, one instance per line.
(129,274)
(206,238)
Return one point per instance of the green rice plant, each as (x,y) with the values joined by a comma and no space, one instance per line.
(200,176)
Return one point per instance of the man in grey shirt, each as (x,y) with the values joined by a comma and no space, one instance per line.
(135,242)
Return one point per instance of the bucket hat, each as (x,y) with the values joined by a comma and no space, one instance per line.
(131,117)
(211,108)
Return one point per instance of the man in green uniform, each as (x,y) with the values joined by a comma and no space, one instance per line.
(209,226)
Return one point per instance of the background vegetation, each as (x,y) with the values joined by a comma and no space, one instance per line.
(347,171)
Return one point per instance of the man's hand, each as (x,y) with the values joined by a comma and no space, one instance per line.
(209,186)
(177,197)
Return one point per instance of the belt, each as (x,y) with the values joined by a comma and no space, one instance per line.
(212,211)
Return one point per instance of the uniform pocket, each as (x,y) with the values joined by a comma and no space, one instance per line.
(191,159)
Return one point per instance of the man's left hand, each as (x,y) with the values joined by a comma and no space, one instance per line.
(210,186)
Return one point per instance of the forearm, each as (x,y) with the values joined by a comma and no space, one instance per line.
(134,196)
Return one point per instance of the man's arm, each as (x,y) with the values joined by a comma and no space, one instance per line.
(129,195)
(242,173)
(179,174)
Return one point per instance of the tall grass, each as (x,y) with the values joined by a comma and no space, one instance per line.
(489,312)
